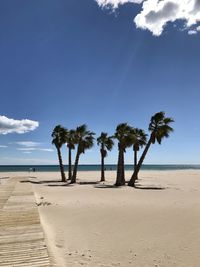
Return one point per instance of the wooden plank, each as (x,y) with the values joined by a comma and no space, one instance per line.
(22,240)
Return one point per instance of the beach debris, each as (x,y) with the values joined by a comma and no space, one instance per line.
(43,203)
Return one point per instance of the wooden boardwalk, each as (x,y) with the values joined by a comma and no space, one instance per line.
(22,242)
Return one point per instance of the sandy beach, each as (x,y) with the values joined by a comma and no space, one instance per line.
(89,224)
(91,88)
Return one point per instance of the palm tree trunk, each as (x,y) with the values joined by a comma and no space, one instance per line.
(69,163)
(102,168)
(120,180)
(63,178)
(123,170)
(135,160)
(138,166)
(73,180)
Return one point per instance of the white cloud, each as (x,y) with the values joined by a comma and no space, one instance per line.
(192,32)
(35,149)
(46,149)
(156,14)
(116,3)
(8,125)
(26,149)
(3,146)
(27,143)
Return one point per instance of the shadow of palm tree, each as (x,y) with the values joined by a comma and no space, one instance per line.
(88,183)
(25,181)
(4,178)
(46,182)
(54,185)
(149,187)
(104,186)
(51,183)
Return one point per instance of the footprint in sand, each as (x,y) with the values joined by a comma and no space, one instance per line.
(59,243)
(59,246)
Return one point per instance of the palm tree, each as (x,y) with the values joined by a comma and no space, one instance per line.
(58,135)
(140,139)
(124,136)
(70,141)
(106,144)
(159,128)
(84,140)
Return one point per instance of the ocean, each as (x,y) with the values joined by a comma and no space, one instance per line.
(55,168)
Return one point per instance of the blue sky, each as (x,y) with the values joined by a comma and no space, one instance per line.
(71,62)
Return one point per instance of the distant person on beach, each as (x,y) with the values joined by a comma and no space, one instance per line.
(32,169)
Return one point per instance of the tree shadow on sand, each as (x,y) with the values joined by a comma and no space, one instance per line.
(97,184)
(51,183)
(88,183)
(151,187)
(54,185)
(104,186)
(45,182)
(137,186)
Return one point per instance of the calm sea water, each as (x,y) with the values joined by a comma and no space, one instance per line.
(55,168)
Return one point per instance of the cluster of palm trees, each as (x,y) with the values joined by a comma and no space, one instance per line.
(126,136)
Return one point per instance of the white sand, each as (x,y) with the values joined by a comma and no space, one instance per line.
(93,226)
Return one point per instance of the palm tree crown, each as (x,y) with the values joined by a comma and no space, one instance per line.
(140,138)
(106,143)
(84,138)
(159,127)
(70,139)
(58,136)
(124,135)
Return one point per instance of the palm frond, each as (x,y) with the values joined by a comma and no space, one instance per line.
(84,138)
(59,136)
(159,127)
(105,142)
